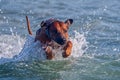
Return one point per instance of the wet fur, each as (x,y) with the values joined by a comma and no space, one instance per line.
(59,37)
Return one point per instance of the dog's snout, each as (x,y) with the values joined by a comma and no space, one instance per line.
(61,41)
(64,39)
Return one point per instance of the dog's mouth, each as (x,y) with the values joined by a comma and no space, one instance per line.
(60,41)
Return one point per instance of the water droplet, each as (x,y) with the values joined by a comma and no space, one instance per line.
(4,17)
(115,49)
(100,17)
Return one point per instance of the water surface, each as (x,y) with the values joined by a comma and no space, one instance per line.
(95,34)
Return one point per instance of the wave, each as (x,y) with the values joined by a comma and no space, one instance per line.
(15,48)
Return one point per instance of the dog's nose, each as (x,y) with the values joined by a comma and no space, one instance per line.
(61,41)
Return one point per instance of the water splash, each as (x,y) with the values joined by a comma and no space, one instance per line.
(10,45)
(79,44)
(12,49)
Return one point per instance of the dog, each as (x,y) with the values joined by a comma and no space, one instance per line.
(52,35)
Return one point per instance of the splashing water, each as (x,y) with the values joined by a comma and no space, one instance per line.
(79,44)
(12,49)
(10,45)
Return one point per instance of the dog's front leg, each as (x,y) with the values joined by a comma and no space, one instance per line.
(67,49)
(49,54)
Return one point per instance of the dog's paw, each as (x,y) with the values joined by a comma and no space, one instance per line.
(49,53)
(66,53)
(67,49)
(48,49)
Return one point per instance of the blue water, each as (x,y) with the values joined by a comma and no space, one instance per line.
(96,53)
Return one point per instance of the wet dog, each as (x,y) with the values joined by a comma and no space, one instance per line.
(53,34)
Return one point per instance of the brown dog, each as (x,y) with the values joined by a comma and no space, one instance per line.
(53,34)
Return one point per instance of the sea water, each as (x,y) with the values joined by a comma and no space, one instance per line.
(95,35)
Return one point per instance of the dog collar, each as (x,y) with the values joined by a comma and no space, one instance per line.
(48,23)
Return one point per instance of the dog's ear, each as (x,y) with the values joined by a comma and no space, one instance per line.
(69,22)
(42,24)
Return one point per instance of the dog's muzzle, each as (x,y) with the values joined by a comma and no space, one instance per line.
(60,41)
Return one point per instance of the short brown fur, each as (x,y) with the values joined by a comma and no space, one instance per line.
(58,30)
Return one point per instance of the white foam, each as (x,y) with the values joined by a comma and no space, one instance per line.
(31,51)
(15,48)
(79,44)
(10,45)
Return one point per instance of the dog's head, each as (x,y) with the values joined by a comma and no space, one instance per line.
(57,30)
